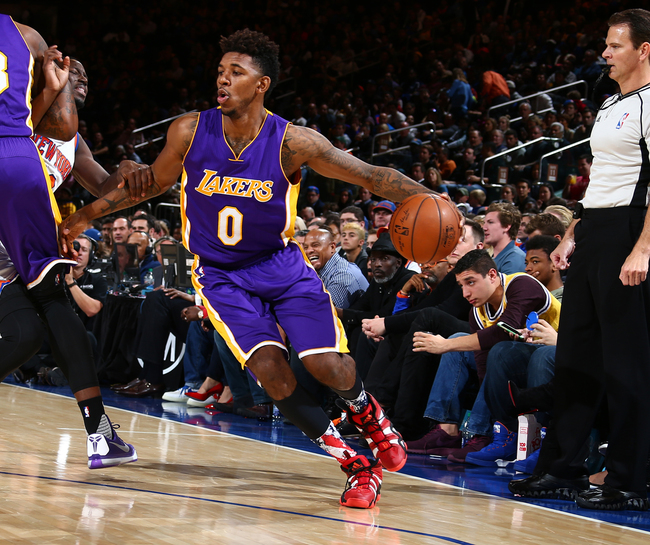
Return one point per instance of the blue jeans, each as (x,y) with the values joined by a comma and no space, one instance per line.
(198,349)
(525,364)
(243,386)
(444,401)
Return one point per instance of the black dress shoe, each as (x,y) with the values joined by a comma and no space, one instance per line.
(263,411)
(549,487)
(118,387)
(611,499)
(143,389)
(221,407)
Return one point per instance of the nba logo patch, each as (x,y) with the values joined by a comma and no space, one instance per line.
(86,412)
(622,120)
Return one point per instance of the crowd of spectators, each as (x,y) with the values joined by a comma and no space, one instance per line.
(414,87)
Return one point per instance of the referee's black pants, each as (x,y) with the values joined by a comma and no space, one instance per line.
(603,350)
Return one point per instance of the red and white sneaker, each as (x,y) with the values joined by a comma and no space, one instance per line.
(362,489)
(385,441)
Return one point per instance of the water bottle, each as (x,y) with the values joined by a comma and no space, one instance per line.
(148,280)
(464,432)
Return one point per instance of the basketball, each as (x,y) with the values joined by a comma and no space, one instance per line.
(425,228)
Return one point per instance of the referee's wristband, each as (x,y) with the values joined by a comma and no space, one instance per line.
(73,283)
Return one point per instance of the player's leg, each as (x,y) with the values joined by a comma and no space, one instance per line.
(21,330)
(249,328)
(73,353)
(306,313)
(28,230)
(271,368)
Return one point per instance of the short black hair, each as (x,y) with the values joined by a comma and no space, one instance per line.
(542,242)
(149,219)
(478,261)
(264,52)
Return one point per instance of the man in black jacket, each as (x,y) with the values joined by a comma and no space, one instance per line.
(388,276)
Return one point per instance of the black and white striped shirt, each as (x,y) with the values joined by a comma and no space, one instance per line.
(620,173)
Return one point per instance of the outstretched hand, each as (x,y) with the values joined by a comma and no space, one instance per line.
(138,178)
(69,230)
(56,69)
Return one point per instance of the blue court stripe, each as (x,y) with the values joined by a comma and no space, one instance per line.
(233,504)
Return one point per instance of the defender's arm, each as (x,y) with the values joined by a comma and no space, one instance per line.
(166,170)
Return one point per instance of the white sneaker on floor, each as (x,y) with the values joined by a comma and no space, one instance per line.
(177,396)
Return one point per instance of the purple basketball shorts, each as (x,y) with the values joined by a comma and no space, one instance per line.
(246,305)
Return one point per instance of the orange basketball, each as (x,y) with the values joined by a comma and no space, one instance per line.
(425,228)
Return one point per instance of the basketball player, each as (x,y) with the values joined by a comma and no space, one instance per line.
(31,271)
(240,167)
(603,348)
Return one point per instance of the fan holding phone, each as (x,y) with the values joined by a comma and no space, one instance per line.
(538,331)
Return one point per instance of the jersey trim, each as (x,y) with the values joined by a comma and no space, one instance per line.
(28,94)
(186,227)
(223,130)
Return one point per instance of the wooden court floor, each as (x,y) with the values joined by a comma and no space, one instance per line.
(195,485)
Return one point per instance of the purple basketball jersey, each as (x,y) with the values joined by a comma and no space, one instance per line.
(236,209)
(16,71)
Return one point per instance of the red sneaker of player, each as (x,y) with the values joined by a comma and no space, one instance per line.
(385,441)
(362,489)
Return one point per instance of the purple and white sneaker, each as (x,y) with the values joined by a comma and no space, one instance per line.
(103,452)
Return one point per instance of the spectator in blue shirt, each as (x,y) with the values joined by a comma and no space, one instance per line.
(342,279)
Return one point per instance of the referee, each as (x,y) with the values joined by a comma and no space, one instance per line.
(603,350)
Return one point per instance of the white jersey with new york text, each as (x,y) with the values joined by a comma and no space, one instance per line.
(620,173)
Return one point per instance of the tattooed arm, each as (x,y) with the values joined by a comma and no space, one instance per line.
(91,175)
(60,120)
(165,171)
(305,146)
(50,91)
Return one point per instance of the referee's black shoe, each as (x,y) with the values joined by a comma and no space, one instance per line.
(546,486)
(611,499)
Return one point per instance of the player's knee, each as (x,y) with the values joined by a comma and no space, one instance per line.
(329,368)
(273,371)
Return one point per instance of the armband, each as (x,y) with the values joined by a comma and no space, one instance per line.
(73,283)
